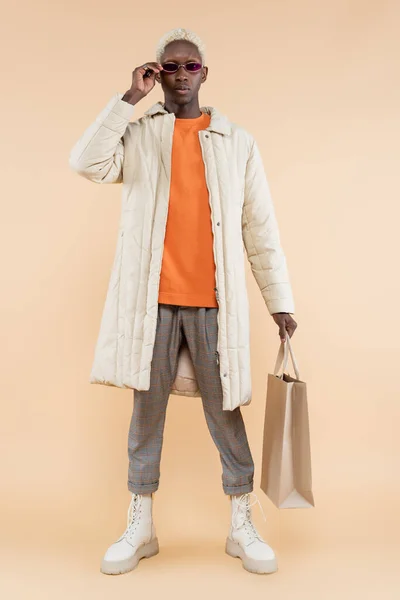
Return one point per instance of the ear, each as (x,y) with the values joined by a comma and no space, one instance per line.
(158,78)
(204,74)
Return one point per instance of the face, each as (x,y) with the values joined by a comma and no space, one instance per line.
(181,52)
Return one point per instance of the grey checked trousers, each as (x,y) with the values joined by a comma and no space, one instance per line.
(199,327)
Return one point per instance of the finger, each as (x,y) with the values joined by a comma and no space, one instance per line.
(152,70)
(153,65)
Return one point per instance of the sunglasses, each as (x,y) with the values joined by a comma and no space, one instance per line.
(172,67)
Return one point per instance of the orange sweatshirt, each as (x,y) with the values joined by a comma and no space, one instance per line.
(188,269)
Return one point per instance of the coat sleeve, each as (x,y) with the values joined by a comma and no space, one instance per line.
(98,154)
(261,238)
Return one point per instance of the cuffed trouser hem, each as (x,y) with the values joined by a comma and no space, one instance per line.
(142,488)
(238,489)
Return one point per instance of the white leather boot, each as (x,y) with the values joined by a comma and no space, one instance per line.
(138,541)
(244,541)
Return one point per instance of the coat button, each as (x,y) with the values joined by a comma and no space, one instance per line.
(206,135)
(218,223)
(225,374)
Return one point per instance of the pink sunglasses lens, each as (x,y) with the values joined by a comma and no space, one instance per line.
(170,67)
(192,67)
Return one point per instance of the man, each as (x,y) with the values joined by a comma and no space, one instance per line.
(195,196)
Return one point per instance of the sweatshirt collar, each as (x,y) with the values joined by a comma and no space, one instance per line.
(218,122)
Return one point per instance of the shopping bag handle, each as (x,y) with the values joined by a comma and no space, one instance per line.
(283,354)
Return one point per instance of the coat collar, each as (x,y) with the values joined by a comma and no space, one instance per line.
(218,122)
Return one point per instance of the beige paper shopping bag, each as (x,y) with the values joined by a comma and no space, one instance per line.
(286,456)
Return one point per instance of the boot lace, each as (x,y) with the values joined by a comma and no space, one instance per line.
(242,515)
(133,514)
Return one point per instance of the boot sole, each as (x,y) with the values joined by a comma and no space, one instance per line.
(117,567)
(250,564)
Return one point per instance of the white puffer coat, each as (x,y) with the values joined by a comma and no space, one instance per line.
(138,155)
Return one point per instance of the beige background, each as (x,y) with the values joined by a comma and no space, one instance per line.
(317,84)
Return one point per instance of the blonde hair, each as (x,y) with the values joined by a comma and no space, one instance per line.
(180,34)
